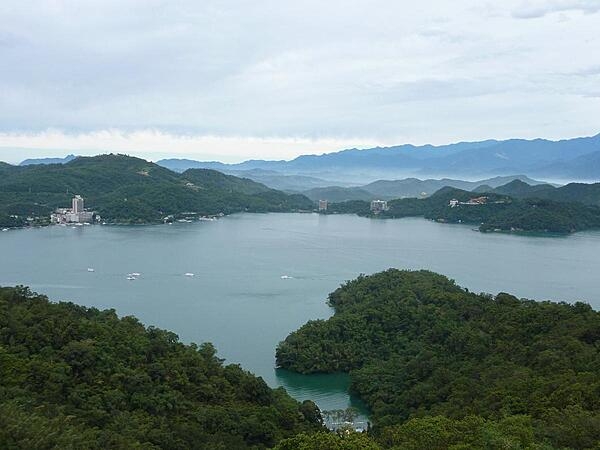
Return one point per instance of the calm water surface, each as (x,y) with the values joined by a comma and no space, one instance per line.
(237,298)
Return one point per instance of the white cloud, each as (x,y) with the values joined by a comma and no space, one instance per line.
(154,145)
(348,71)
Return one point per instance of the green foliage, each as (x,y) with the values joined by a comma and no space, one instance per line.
(123,189)
(500,213)
(471,432)
(73,377)
(417,345)
(329,441)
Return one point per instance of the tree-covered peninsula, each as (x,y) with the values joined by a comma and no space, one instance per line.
(441,367)
(75,377)
(123,189)
(488,211)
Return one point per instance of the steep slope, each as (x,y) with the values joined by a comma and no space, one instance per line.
(74,377)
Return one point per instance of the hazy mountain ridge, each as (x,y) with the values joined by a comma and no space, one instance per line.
(35,161)
(564,159)
(408,187)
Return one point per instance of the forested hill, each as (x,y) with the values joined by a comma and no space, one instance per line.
(440,366)
(132,190)
(588,194)
(73,377)
(498,212)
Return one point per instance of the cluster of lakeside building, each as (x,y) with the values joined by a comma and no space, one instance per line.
(377,206)
(75,214)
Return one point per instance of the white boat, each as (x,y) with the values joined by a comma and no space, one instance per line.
(135,274)
(90,269)
(286,277)
(131,278)
(4,229)
(188,274)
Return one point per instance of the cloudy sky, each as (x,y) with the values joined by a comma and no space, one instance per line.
(232,80)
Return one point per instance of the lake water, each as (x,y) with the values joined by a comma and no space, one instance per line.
(237,299)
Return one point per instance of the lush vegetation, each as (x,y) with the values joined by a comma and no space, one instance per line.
(500,212)
(123,189)
(73,377)
(588,194)
(440,366)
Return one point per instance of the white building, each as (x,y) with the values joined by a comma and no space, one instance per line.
(323,205)
(78,204)
(378,206)
(76,214)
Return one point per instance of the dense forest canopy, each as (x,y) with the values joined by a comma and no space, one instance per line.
(588,194)
(75,377)
(131,190)
(427,355)
(500,212)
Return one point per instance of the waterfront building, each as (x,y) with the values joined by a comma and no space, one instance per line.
(378,206)
(323,205)
(78,204)
(76,214)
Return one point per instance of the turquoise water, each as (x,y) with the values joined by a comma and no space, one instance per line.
(237,298)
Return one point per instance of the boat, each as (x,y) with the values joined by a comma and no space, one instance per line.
(131,278)
(134,274)
(286,277)
(90,269)
(188,274)
(4,229)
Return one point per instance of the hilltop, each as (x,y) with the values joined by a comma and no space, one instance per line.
(124,189)
(588,194)
(441,367)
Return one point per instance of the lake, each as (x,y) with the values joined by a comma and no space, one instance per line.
(237,298)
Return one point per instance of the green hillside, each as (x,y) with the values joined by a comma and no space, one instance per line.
(499,213)
(131,190)
(75,377)
(588,194)
(441,366)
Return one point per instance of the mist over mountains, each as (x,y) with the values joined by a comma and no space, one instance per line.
(565,160)
(409,170)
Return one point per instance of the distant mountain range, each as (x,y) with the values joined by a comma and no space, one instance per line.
(570,159)
(35,161)
(566,160)
(408,188)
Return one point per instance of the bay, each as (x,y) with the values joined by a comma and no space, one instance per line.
(257,277)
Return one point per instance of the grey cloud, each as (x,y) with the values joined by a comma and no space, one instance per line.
(378,69)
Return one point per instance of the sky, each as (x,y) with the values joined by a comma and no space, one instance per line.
(234,80)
